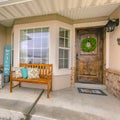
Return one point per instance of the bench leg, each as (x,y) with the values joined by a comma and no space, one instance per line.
(50,86)
(10,85)
(48,91)
(19,84)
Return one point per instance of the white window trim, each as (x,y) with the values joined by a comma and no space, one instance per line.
(64,48)
(19,27)
(53,42)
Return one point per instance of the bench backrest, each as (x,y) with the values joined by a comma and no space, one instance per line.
(45,69)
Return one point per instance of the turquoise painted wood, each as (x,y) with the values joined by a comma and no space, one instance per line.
(7,60)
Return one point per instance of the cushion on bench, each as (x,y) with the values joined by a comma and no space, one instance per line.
(24,72)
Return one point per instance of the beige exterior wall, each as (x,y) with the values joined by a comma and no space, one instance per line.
(54,26)
(2,42)
(61,82)
(5,39)
(114,48)
(53,42)
(112,73)
(114,54)
(8,36)
(62,77)
(58,82)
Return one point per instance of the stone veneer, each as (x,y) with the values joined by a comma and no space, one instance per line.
(113,82)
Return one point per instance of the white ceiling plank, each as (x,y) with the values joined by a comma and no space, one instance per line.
(56,5)
(52,5)
(89,12)
(35,7)
(11,13)
(2,17)
(83,4)
(6,13)
(89,3)
(19,10)
(105,2)
(14,11)
(114,1)
(31,9)
(75,3)
(61,5)
(70,4)
(41,6)
(79,3)
(98,2)
(7,23)
(74,9)
(24,10)
(13,2)
(48,5)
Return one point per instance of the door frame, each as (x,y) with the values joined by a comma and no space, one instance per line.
(104,51)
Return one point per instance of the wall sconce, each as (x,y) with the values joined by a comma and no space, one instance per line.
(111,24)
(118,40)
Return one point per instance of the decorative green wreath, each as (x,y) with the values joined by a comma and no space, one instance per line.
(92,44)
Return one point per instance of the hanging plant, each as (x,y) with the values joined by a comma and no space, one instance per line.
(88,44)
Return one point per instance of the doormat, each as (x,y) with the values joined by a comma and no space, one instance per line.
(91,91)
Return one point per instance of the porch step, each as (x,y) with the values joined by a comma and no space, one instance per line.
(93,86)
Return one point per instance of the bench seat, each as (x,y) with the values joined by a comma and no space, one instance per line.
(45,76)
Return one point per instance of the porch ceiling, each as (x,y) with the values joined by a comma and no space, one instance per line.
(73,9)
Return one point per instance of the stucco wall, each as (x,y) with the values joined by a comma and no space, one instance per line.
(5,39)
(113,73)
(61,82)
(114,54)
(8,35)
(114,48)
(53,42)
(2,42)
(58,82)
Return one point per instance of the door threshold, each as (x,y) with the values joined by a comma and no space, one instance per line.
(88,82)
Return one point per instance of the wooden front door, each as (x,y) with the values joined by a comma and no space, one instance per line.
(89,65)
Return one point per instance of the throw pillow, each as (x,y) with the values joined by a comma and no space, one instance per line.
(33,72)
(24,72)
(18,72)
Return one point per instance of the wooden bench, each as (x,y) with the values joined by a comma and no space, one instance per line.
(45,76)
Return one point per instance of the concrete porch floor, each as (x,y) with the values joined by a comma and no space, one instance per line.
(66,104)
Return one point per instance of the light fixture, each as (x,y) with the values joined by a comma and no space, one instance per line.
(118,40)
(111,24)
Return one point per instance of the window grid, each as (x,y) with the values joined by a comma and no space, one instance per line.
(64,47)
(34,48)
